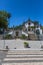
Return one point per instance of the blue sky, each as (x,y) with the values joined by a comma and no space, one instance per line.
(21,10)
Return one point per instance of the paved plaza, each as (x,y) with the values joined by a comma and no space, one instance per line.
(21,57)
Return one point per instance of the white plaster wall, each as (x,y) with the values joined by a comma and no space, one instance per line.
(32,24)
(24,33)
(40,31)
(26,25)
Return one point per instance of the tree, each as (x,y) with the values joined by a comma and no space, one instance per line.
(4,18)
(36,24)
(5,14)
(29,23)
(3,23)
(38,33)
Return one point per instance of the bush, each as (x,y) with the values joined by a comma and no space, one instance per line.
(8,37)
(37,32)
(23,36)
(26,45)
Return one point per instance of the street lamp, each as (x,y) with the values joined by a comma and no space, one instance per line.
(4,39)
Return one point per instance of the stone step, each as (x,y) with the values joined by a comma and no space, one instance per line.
(31,63)
(25,52)
(24,56)
(22,61)
(18,59)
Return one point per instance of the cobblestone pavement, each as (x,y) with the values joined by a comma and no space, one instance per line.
(21,57)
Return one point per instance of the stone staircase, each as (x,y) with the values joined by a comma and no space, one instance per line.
(32,37)
(23,57)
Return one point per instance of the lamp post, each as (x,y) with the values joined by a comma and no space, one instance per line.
(4,39)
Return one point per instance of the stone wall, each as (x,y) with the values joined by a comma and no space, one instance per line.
(19,44)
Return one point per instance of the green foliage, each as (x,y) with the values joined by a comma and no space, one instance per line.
(36,23)
(18,27)
(3,23)
(42,27)
(5,14)
(4,17)
(32,27)
(37,32)
(23,36)
(26,44)
(8,37)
